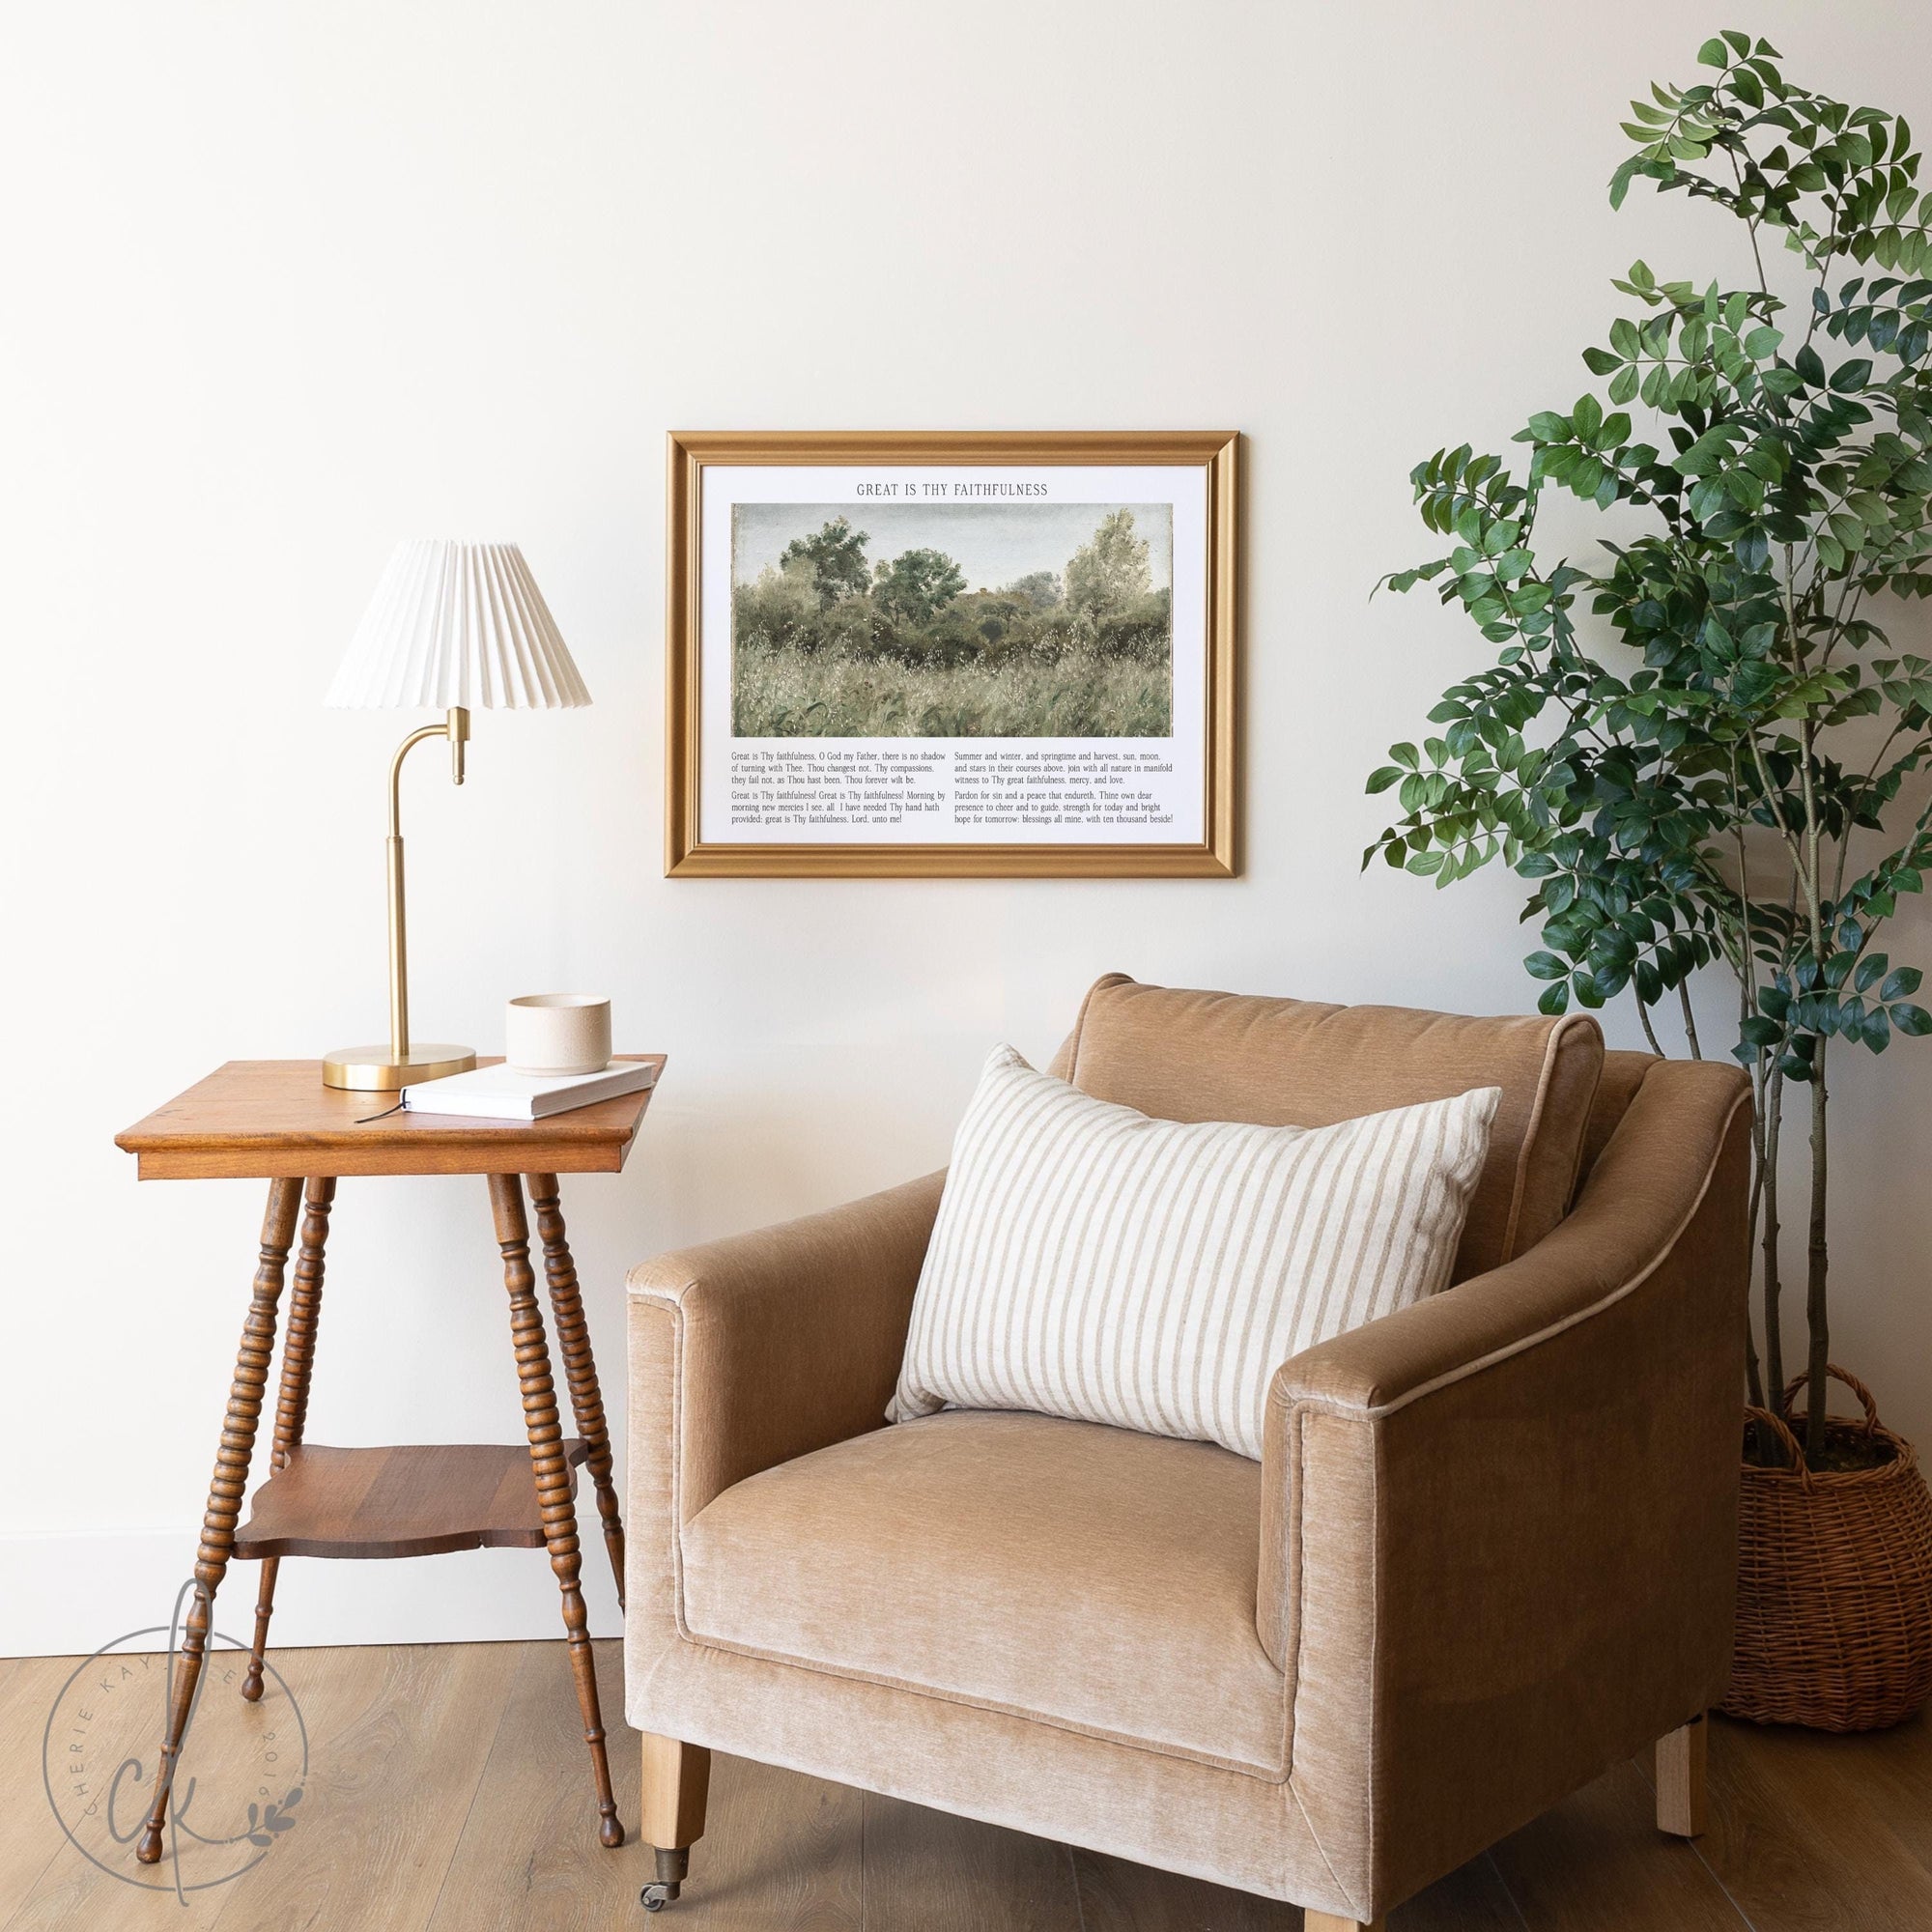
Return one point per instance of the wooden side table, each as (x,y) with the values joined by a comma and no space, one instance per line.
(274,1120)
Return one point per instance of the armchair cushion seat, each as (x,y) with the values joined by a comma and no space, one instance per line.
(1084,1576)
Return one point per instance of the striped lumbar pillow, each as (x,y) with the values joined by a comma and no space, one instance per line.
(1093,1263)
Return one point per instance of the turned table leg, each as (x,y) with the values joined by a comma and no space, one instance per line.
(292,1396)
(225,1491)
(580,1366)
(552,1477)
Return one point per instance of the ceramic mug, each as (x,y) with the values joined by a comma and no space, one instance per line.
(558,1033)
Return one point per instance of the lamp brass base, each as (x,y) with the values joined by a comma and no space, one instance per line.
(375,1070)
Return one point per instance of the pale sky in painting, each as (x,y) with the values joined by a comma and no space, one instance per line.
(992,543)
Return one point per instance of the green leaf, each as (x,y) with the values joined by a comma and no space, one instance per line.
(1555,999)
(1871,969)
(1713,53)
(1911,1019)
(1899,984)
(1850,376)
(1599,361)
(1546,966)
(1385,776)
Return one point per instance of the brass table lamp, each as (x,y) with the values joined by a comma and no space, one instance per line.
(451,625)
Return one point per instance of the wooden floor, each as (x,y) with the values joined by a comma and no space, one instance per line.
(447,1790)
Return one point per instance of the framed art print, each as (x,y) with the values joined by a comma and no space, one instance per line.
(952,653)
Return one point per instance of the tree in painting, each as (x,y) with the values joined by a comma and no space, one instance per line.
(828,643)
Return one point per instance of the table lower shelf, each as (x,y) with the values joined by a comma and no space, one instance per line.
(410,1501)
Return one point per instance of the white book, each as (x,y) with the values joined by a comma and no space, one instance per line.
(500,1093)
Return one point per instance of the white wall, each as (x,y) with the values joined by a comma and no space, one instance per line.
(284,283)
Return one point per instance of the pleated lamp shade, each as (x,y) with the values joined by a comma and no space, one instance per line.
(458,623)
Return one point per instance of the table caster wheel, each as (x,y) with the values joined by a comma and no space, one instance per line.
(655,1897)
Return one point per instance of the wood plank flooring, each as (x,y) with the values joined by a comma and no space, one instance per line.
(448,1791)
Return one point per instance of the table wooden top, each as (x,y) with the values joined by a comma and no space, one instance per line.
(274,1118)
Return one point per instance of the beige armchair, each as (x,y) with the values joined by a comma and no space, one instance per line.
(1488,1551)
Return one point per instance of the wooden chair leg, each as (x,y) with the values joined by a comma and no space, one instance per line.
(1326,1921)
(292,1396)
(1681,1808)
(225,1492)
(552,1479)
(677,1780)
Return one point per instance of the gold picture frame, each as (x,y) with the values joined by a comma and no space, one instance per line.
(719,461)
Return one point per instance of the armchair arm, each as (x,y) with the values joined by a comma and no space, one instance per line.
(773,1344)
(1499,1527)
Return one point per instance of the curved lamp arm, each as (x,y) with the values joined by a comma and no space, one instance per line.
(456,728)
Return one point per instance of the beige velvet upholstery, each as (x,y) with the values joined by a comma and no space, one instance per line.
(1112,1548)
(1623,1074)
(1185,1056)
(1488,1551)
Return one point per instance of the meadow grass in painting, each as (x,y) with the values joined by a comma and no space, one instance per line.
(784,693)
(828,643)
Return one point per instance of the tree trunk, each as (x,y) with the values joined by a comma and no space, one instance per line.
(1689,1020)
(1753,1372)
(1774,1336)
(1643,1016)
(1818,1265)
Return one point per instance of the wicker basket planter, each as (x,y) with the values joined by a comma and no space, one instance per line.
(1834,1582)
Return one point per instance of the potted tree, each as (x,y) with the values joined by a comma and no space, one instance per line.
(1703,750)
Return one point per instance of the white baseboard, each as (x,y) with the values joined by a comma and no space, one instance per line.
(69,1595)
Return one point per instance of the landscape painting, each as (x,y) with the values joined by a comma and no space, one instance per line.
(951,620)
(952,653)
